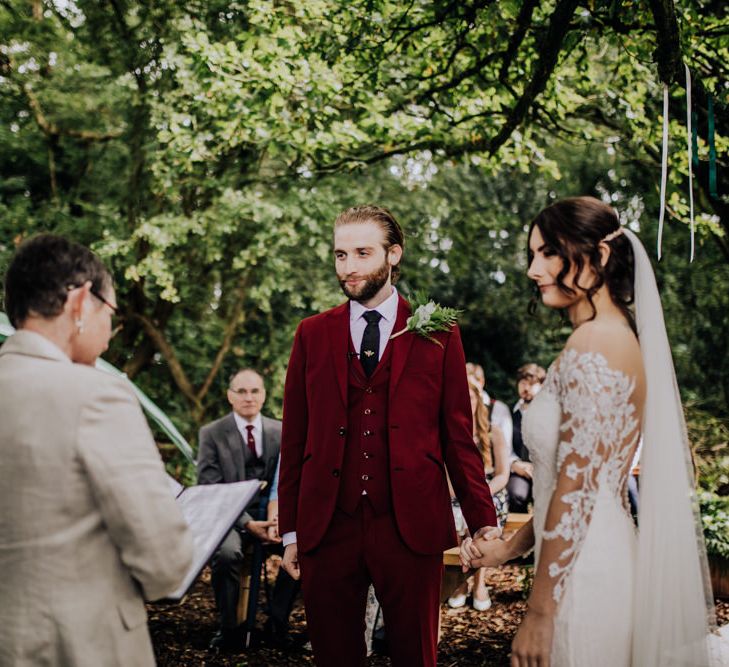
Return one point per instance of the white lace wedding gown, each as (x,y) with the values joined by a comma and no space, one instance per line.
(581,431)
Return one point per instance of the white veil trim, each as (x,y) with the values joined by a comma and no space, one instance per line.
(673,604)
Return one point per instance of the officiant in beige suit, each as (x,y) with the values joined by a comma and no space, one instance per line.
(88,527)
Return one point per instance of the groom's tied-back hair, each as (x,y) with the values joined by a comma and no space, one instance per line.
(573,228)
(41,272)
(384,218)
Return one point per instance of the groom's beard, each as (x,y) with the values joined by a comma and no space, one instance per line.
(373,283)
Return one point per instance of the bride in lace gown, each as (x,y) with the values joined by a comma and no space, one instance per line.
(603,593)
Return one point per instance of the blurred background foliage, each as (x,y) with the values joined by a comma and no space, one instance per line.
(205,148)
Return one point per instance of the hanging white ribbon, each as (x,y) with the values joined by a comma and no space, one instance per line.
(664,169)
(690,157)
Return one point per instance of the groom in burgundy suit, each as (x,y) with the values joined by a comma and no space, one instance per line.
(370,427)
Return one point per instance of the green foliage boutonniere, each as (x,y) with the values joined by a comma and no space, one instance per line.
(427,317)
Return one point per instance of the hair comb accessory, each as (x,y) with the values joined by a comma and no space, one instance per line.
(612,235)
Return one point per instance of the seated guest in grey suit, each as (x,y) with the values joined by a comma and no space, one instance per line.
(88,525)
(242,445)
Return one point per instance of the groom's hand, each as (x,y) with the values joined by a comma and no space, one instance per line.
(290,561)
(469,550)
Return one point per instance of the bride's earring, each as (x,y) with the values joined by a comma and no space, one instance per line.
(80,325)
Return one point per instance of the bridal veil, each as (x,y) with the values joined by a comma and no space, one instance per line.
(673,604)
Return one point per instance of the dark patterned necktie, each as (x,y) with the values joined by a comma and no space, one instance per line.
(370,351)
(251,441)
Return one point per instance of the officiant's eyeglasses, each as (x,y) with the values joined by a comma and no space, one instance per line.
(114,309)
(97,294)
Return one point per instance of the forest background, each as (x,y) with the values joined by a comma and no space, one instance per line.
(204,148)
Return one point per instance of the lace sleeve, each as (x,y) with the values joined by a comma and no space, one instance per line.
(598,432)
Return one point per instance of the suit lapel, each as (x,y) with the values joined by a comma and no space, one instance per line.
(338,331)
(234,441)
(401,345)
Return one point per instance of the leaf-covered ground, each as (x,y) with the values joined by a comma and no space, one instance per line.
(469,638)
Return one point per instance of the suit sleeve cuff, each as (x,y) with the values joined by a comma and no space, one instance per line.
(288,538)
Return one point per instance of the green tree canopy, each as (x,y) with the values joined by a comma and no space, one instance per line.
(204,149)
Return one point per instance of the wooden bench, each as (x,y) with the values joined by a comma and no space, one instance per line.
(452,574)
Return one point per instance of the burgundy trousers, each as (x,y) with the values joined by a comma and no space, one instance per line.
(358,550)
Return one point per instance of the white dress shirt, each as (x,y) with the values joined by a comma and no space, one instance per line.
(501,417)
(357,324)
(257,422)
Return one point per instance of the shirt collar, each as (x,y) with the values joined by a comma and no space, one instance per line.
(388,308)
(241,422)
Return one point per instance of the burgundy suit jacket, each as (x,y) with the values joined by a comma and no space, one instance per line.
(430,430)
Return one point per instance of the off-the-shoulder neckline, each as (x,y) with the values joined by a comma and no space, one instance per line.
(572,354)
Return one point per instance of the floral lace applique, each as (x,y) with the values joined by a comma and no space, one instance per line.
(599,431)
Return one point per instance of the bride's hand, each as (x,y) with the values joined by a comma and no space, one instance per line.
(533,642)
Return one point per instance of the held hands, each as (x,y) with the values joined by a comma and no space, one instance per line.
(290,561)
(272,532)
(259,530)
(473,550)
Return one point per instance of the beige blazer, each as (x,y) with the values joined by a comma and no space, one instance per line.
(88,525)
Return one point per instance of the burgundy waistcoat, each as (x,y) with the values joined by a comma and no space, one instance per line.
(365,466)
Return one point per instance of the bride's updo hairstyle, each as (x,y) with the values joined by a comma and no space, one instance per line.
(573,228)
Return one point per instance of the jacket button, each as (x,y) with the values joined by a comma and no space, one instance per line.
(342,431)
(335,472)
(368,411)
(369,390)
(365,477)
